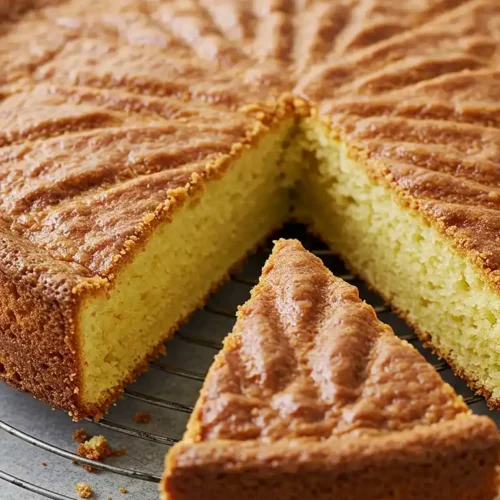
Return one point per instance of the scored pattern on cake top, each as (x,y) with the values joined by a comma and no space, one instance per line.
(308,359)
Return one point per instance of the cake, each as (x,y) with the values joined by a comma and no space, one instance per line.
(313,397)
(147,146)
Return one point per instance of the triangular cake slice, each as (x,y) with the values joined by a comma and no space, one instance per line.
(312,397)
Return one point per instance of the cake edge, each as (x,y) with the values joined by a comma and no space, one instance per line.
(469,444)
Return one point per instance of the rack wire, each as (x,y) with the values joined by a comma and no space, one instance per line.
(37,455)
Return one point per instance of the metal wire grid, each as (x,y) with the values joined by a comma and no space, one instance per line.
(31,434)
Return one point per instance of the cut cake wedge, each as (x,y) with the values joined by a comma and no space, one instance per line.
(313,397)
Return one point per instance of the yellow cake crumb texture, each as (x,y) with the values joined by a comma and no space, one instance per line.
(84,490)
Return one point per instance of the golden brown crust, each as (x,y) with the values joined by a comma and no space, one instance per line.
(445,460)
(38,348)
(311,385)
(400,62)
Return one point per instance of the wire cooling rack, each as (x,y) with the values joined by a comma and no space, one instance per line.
(36,450)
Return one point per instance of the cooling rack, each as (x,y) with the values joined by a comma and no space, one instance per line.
(36,450)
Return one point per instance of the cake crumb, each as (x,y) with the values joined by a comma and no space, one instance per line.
(142,417)
(123,490)
(83,490)
(80,436)
(44,464)
(97,448)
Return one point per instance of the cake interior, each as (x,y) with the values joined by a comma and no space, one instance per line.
(401,256)
(183,261)
(396,251)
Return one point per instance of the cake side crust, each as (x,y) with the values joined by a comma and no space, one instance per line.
(420,463)
(38,346)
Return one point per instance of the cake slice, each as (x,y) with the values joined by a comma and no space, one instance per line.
(116,237)
(313,397)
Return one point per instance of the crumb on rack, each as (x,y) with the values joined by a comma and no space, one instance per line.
(97,448)
(142,417)
(80,436)
(123,490)
(83,490)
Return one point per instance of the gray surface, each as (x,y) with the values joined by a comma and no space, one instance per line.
(43,434)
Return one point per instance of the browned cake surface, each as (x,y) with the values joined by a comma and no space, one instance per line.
(108,108)
(308,357)
(313,397)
